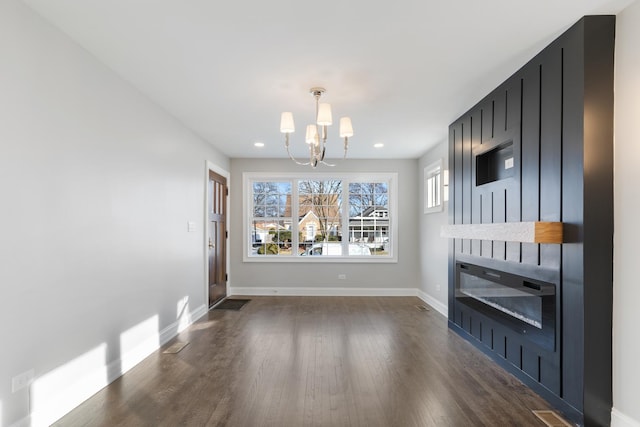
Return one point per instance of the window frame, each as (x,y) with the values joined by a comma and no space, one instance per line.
(390,178)
(435,171)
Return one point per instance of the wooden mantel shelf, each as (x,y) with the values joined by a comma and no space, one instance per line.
(526,232)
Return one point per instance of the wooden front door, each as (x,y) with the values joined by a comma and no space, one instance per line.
(217,238)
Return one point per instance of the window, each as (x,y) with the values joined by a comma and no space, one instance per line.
(320,202)
(433,187)
(369,215)
(320,217)
(271,217)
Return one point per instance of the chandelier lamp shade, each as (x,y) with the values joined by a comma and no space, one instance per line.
(316,134)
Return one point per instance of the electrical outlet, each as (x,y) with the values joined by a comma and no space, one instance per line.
(342,277)
(438,287)
(22,380)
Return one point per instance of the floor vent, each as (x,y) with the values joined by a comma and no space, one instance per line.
(422,307)
(176,347)
(552,419)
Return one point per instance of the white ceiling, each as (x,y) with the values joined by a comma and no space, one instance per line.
(403,70)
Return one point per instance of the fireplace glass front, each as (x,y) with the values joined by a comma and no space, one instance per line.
(515,302)
(523,304)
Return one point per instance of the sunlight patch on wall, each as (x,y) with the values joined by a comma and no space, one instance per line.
(62,389)
(183,314)
(138,342)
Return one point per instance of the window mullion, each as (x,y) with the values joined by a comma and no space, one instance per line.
(344,217)
(295,210)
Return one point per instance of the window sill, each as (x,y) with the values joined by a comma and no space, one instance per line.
(377,259)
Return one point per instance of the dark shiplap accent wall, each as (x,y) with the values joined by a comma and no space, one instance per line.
(557,112)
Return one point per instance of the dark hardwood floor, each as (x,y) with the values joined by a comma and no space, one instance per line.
(316,361)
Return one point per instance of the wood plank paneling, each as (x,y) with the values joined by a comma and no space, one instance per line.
(549,376)
(451,208)
(557,111)
(499,341)
(486,109)
(598,217)
(458,181)
(467,205)
(531,363)
(476,196)
(572,212)
(514,105)
(551,117)
(512,125)
(499,111)
(486,206)
(530,154)
(499,215)
(514,352)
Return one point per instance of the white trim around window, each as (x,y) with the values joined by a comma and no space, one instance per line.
(434,191)
(280,222)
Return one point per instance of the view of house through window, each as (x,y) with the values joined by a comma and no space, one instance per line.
(271,216)
(319,205)
(369,214)
(337,217)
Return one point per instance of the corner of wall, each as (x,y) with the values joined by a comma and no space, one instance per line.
(433,251)
(618,419)
(433,302)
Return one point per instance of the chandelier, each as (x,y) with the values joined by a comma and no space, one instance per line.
(316,136)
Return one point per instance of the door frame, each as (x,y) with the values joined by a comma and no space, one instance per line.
(210,166)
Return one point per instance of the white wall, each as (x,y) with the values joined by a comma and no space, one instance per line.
(97,185)
(433,248)
(626,289)
(246,277)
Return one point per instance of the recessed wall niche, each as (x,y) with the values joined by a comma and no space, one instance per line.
(495,164)
(519,156)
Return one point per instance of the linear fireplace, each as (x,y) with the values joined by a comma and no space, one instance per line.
(525,305)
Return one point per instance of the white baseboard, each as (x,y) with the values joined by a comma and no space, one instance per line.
(323,291)
(25,422)
(195,315)
(437,305)
(56,396)
(336,291)
(618,419)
